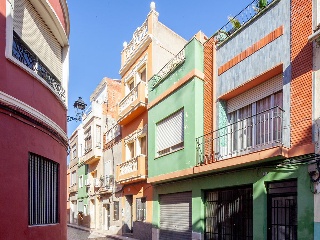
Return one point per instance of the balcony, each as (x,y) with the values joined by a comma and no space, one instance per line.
(26,56)
(91,155)
(261,131)
(255,8)
(73,188)
(106,184)
(133,104)
(133,170)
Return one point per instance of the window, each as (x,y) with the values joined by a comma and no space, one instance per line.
(87,140)
(74,151)
(143,145)
(282,210)
(143,75)
(43,190)
(141,209)
(170,133)
(81,181)
(85,209)
(98,137)
(130,150)
(35,48)
(73,178)
(257,124)
(229,214)
(116,211)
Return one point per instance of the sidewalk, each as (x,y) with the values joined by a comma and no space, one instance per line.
(78,227)
(94,234)
(120,237)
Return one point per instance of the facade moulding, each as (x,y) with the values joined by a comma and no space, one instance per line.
(251,50)
(189,76)
(33,117)
(246,161)
(134,56)
(263,77)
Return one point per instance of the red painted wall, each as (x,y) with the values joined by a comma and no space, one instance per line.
(18,138)
(57,8)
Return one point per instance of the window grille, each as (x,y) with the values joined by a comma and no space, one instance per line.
(43,190)
(282,210)
(170,133)
(115,210)
(141,209)
(229,214)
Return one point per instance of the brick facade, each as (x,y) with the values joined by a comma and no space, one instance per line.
(301,63)
(208,86)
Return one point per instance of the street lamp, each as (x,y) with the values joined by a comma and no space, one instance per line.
(78,105)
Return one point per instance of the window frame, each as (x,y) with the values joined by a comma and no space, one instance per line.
(141,206)
(178,145)
(116,211)
(43,204)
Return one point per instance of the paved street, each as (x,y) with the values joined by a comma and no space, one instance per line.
(77,234)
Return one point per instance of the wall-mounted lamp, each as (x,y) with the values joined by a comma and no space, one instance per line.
(79,107)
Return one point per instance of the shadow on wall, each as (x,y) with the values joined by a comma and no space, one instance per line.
(141,230)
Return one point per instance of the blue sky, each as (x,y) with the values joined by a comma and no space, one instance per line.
(99,28)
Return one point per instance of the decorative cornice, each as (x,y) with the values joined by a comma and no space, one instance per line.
(28,113)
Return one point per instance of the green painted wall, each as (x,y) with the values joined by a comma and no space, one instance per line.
(254,177)
(190,98)
(82,192)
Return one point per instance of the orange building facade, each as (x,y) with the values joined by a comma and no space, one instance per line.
(153,45)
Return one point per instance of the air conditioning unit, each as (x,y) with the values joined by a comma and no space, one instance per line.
(87,182)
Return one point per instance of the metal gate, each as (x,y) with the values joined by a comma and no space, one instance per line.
(229,214)
(282,210)
(175,216)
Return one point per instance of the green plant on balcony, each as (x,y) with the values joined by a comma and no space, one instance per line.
(260,5)
(235,22)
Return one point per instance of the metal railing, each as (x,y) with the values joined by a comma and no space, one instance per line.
(26,56)
(130,97)
(129,166)
(251,134)
(236,22)
(168,68)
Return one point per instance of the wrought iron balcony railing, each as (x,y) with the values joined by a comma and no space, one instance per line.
(239,20)
(136,94)
(258,132)
(168,68)
(26,56)
(132,170)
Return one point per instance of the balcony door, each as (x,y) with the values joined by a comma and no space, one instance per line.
(253,127)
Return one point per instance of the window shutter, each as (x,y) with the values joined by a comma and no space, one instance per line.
(255,94)
(170,131)
(31,28)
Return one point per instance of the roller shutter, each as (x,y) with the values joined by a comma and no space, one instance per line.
(32,29)
(175,216)
(255,94)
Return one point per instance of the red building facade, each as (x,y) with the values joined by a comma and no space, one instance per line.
(34,63)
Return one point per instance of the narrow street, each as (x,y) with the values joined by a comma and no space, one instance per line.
(77,234)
